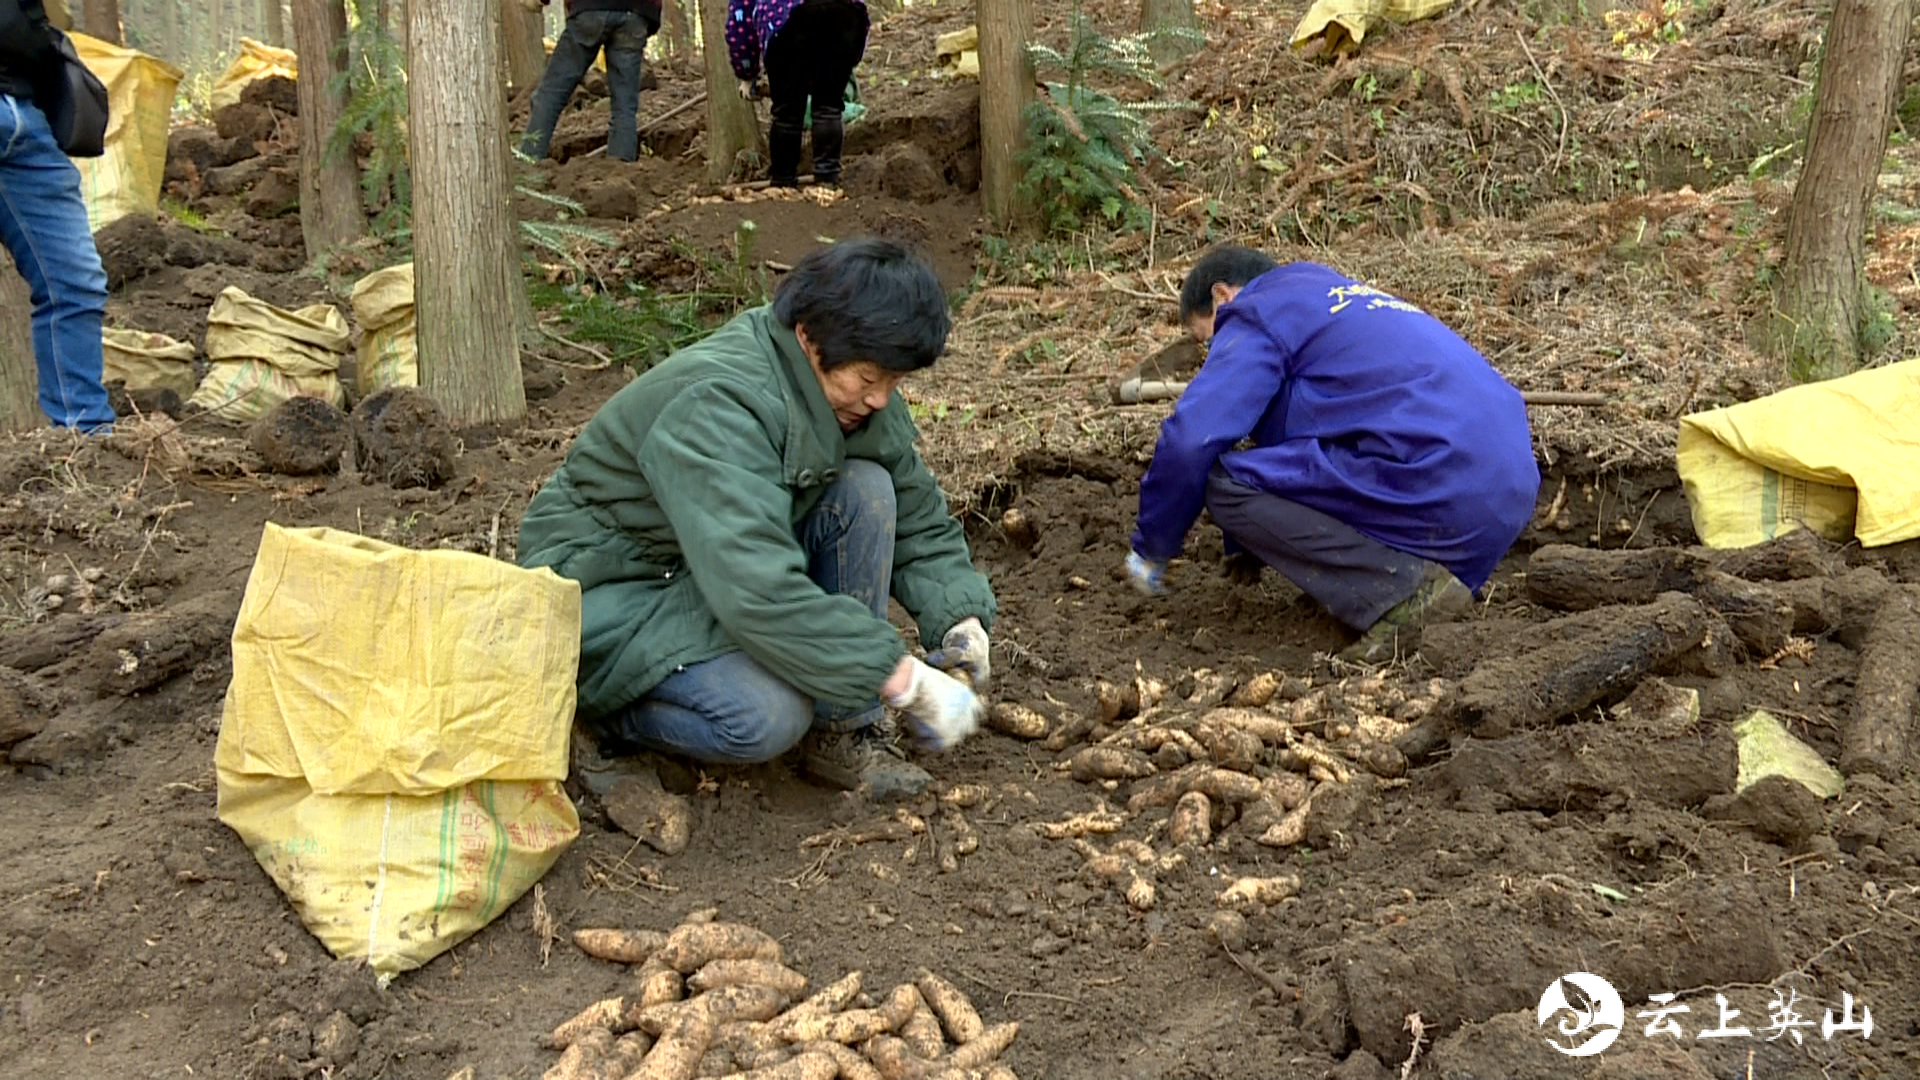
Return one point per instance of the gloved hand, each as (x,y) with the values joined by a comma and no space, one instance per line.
(939,708)
(966,648)
(1242,568)
(1148,576)
(749,90)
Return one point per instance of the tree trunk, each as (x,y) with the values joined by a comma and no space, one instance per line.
(1821,305)
(526,58)
(1158,15)
(733,131)
(466,264)
(675,28)
(103,19)
(330,210)
(1006,89)
(273,23)
(19,375)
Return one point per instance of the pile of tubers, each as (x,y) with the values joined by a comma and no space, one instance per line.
(716,999)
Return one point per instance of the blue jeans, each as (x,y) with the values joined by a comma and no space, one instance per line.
(43,222)
(730,710)
(624,35)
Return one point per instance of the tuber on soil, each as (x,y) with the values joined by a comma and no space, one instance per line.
(691,947)
(1191,824)
(655,984)
(583,1058)
(1255,692)
(1017,721)
(981,1050)
(1140,894)
(1578,578)
(1109,763)
(723,973)
(966,796)
(1885,690)
(1254,893)
(803,1067)
(1092,823)
(620,946)
(606,1015)
(826,1001)
(1225,786)
(677,1054)
(1071,728)
(951,1005)
(848,1060)
(922,1032)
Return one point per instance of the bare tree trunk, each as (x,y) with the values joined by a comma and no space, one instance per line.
(676,29)
(402,29)
(732,128)
(103,19)
(1169,15)
(466,264)
(1821,304)
(1006,89)
(330,210)
(526,57)
(19,375)
(273,23)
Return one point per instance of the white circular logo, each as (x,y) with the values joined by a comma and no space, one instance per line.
(1589,1013)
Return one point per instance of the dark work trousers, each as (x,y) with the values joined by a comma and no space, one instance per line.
(1356,578)
(812,57)
(624,35)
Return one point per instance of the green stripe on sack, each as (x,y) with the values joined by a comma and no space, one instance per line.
(449,802)
(1769,503)
(498,865)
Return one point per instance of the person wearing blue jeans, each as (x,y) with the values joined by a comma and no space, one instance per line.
(622,28)
(43,222)
(739,516)
(731,709)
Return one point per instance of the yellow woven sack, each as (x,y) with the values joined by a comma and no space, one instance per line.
(126,179)
(259,355)
(1341,25)
(256,61)
(383,307)
(395,737)
(1837,457)
(146,361)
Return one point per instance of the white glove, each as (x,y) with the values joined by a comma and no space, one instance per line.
(1148,576)
(938,707)
(747,92)
(966,648)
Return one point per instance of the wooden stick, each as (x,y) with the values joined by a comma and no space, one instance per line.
(1884,691)
(697,99)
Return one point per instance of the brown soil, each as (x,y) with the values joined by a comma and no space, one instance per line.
(138,937)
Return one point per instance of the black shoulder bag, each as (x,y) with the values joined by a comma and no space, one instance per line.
(76,104)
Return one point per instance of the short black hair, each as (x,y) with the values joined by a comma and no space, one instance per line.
(1227,264)
(866,299)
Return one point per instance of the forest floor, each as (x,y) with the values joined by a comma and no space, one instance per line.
(1599,206)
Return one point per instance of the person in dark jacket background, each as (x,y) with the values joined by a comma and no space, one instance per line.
(808,49)
(737,518)
(1390,466)
(622,28)
(43,221)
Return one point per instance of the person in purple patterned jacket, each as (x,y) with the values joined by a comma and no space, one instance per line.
(808,50)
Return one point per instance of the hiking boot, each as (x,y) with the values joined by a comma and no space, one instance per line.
(1440,597)
(868,759)
(595,770)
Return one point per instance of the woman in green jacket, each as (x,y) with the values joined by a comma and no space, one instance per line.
(737,518)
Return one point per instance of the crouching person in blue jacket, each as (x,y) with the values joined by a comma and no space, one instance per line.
(1388,466)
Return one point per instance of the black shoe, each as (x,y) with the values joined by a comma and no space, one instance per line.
(869,759)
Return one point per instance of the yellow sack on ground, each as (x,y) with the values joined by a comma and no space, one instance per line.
(146,361)
(1339,26)
(259,355)
(383,307)
(126,179)
(958,53)
(1838,457)
(256,61)
(395,737)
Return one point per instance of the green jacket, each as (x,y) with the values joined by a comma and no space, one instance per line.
(678,508)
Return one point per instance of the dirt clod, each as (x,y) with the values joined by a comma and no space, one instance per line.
(301,436)
(401,438)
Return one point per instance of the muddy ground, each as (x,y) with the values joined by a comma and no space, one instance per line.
(139,938)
